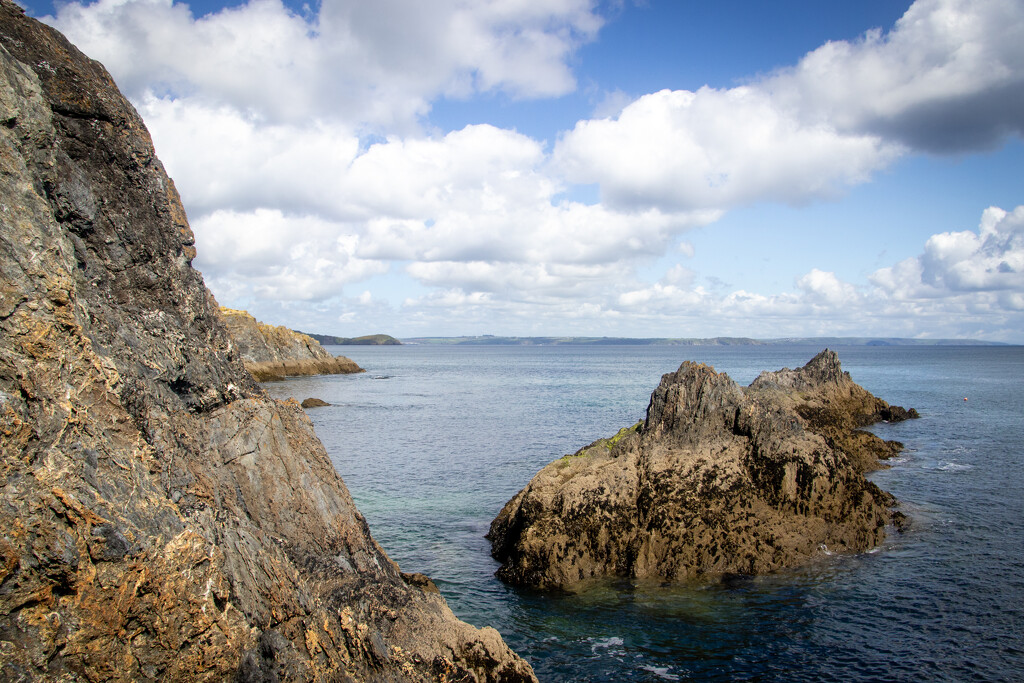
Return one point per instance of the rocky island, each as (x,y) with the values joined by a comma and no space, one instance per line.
(161,518)
(718,479)
(273,352)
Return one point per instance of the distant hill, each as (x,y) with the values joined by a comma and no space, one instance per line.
(368,340)
(491,340)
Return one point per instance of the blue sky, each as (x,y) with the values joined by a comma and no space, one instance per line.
(570,167)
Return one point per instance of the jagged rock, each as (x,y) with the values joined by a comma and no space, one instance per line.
(273,352)
(716,480)
(314,403)
(161,518)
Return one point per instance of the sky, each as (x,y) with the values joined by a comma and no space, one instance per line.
(666,168)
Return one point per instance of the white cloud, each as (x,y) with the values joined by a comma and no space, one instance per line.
(377,64)
(299,148)
(825,288)
(268,254)
(713,149)
(475,197)
(948,77)
(520,281)
(962,283)
(987,263)
(223,159)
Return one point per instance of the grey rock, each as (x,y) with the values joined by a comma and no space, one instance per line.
(161,518)
(314,403)
(718,480)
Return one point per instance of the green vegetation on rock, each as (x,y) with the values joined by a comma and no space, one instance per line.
(366,340)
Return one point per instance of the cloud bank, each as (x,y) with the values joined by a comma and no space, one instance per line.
(304,153)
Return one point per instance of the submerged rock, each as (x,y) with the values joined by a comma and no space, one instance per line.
(273,352)
(161,518)
(716,480)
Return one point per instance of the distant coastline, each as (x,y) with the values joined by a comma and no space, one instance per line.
(490,340)
(368,340)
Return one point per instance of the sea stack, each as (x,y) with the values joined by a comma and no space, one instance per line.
(161,518)
(718,479)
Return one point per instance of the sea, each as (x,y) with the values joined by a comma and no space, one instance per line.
(432,440)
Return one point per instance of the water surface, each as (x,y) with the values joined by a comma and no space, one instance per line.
(433,440)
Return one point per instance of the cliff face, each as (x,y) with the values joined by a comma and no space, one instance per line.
(160,517)
(717,479)
(272,352)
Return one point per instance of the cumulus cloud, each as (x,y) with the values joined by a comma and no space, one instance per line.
(989,263)
(305,157)
(378,64)
(948,77)
(222,158)
(825,288)
(714,149)
(962,283)
(266,253)
(475,201)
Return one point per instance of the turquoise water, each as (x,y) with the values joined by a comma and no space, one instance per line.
(432,441)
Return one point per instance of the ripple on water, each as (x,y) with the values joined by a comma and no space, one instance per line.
(432,454)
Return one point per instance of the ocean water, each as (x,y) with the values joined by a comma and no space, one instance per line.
(433,440)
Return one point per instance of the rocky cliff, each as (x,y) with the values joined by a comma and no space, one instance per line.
(717,479)
(160,517)
(272,352)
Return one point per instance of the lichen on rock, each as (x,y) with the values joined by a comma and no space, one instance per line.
(718,479)
(161,517)
(273,352)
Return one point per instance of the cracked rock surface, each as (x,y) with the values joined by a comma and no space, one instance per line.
(161,518)
(718,479)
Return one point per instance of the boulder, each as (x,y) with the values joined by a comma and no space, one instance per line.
(314,403)
(717,480)
(162,518)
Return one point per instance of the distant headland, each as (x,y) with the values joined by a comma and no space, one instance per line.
(367,340)
(485,340)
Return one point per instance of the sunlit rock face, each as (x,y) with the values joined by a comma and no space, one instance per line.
(272,352)
(161,518)
(719,479)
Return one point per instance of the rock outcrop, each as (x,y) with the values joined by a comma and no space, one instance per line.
(273,352)
(161,518)
(717,479)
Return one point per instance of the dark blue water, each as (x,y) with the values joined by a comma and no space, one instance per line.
(433,440)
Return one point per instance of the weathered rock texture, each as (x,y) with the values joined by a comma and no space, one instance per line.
(160,517)
(273,352)
(718,479)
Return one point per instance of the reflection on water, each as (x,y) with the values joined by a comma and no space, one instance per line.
(431,455)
